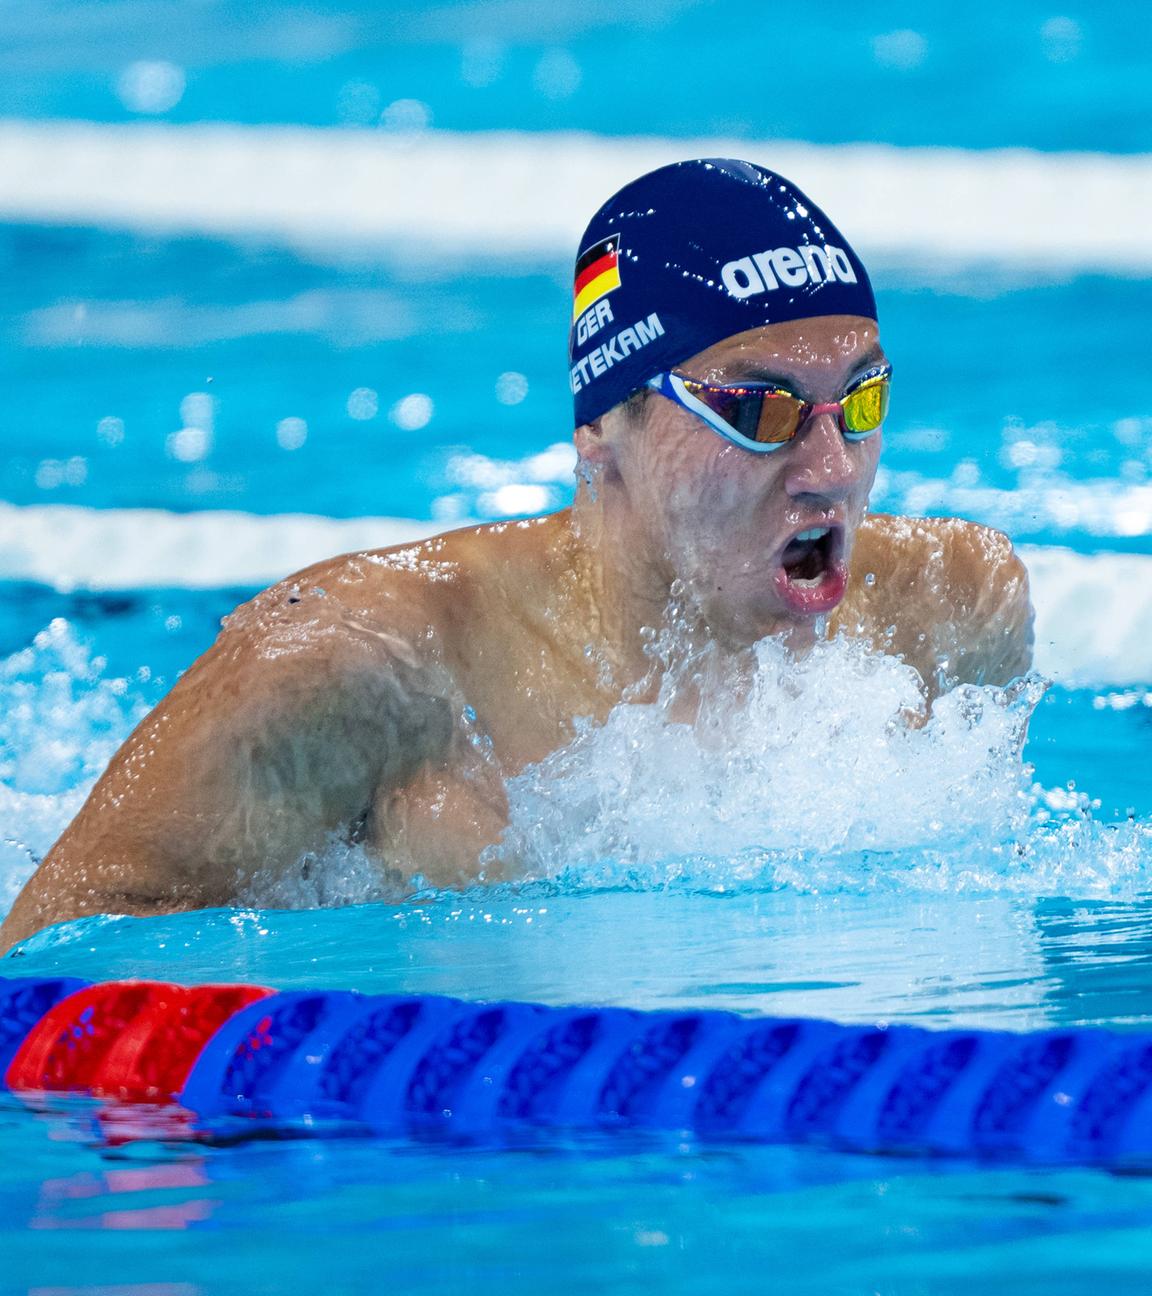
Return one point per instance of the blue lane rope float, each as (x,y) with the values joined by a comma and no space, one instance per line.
(403,1064)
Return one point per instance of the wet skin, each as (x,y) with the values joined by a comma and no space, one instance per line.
(383,697)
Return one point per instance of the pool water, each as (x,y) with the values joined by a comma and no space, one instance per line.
(283,400)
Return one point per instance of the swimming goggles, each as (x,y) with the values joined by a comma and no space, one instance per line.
(762,417)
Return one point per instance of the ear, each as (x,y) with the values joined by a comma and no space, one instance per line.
(592,445)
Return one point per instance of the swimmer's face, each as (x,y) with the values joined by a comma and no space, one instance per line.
(725,519)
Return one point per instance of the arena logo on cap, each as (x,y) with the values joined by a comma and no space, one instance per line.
(597,273)
(791,267)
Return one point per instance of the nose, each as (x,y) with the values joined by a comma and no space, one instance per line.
(822,467)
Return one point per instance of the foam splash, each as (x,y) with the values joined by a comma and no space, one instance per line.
(814,776)
(62,720)
(339,874)
(826,778)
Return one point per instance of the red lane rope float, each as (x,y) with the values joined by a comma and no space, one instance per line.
(132,1040)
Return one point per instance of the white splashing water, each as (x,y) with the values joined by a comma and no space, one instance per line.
(822,779)
(60,721)
(339,874)
(814,782)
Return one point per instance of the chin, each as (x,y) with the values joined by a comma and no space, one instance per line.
(742,625)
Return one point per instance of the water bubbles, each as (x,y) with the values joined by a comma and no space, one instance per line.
(62,722)
(197,409)
(902,50)
(189,445)
(448,509)
(1042,500)
(557,75)
(194,440)
(511,388)
(1133,431)
(477,471)
(1024,452)
(54,473)
(481,63)
(556,464)
(406,117)
(363,404)
(515,500)
(150,86)
(110,432)
(1066,799)
(412,412)
(291,433)
(1061,39)
(358,103)
(1123,701)
(508,488)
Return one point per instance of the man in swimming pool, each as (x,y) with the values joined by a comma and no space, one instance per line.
(730,386)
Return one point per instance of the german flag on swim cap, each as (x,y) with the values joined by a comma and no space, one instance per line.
(692,253)
(597,273)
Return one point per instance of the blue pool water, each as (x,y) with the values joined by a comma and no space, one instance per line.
(1070,77)
(262,335)
(236,381)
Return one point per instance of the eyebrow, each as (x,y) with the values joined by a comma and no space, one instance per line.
(762,374)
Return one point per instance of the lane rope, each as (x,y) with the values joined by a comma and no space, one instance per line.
(406,1064)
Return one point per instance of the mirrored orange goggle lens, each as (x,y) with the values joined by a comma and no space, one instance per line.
(767,417)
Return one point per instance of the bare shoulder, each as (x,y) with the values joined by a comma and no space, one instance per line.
(396,588)
(959,586)
(415,591)
(341,616)
(965,556)
(412,612)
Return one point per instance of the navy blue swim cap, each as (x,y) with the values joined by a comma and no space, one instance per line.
(693,253)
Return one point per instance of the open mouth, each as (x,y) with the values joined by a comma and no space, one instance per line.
(811,577)
(808,556)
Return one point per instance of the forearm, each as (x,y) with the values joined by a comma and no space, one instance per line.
(59,893)
(231,779)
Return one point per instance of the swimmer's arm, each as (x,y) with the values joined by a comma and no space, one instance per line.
(273,740)
(987,614)
(948,596)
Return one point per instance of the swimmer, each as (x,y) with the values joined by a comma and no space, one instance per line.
(730,389)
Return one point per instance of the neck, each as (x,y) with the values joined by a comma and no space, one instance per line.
(629,590)
(625,586)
